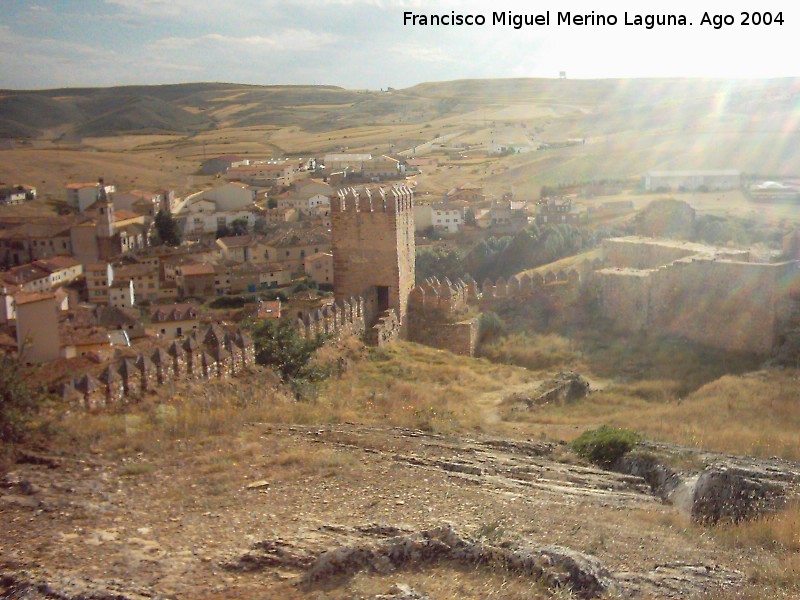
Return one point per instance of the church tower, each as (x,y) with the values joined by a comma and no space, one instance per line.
(105,212)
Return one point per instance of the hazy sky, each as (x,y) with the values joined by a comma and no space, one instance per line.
(364,43)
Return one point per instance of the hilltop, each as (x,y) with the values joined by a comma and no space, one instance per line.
(623,128)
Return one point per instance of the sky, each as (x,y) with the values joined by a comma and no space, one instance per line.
(365,43)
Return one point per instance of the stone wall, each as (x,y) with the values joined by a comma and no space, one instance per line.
(212,353)
(458,338)
(345,318)
(625,298)
(706,298)
(525,284)
(385,331)
(635,252)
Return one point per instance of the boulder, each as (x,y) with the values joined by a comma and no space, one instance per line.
(727,493)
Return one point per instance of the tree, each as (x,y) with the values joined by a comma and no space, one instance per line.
(167,229)
(440,261)
(239,226)
(279,345)
(18,399)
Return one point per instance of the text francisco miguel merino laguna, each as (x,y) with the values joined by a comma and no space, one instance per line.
(565,18)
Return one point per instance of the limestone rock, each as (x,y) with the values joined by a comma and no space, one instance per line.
(727,493)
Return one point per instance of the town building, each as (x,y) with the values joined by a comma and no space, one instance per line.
(341,162)
(306,196)
(291,247)
(557,211)
(35,240)
(99,277)
(195,281)
(240,249)
(265,174)
(37,327)
(81,196)
(174,320)
(319,267)
(220,164)
(13,195)
(138,202)
(438,217)
(121,294)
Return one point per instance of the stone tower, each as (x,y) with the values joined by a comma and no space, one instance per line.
(105,212)
(372,233)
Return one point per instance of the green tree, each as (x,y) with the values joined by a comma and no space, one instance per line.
(279,345)
(18,399)
(239,226)
(167,229)
(440,261)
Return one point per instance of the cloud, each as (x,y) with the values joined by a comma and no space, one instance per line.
(157,8)
(422,53)
(288,41)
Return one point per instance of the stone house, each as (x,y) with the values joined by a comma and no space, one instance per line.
(197,281)
(319,267)
(290,248)
(37,327)
(35,240)
(122,294)
(174,320)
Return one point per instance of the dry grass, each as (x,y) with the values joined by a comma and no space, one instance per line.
(751,414)
(410,385)
(779,532)
(532,351)
(407,386)
(452,581)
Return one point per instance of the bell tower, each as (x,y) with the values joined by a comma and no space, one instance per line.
(105,212)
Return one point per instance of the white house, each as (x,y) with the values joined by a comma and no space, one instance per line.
(447,220)
(230,196)
(121,294)
(208,212)
(81,196)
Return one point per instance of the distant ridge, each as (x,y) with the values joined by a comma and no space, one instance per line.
(635,104)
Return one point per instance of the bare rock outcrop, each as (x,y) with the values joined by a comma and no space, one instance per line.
(727,493)
(558,567)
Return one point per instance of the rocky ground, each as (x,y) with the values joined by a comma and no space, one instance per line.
(351,511)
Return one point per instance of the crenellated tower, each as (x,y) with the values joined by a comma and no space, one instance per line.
(372,232)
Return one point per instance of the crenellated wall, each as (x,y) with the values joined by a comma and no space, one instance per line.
(210,354)
(344,318)
(386,329)
(527,283)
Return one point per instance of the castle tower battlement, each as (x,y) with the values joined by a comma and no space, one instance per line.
(372,242)
(396,199)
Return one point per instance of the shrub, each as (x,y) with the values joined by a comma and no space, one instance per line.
(228,302)
(279,345)
(490,326)
(604,445)
(18,399)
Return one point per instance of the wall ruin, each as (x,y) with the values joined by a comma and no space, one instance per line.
(713,297)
